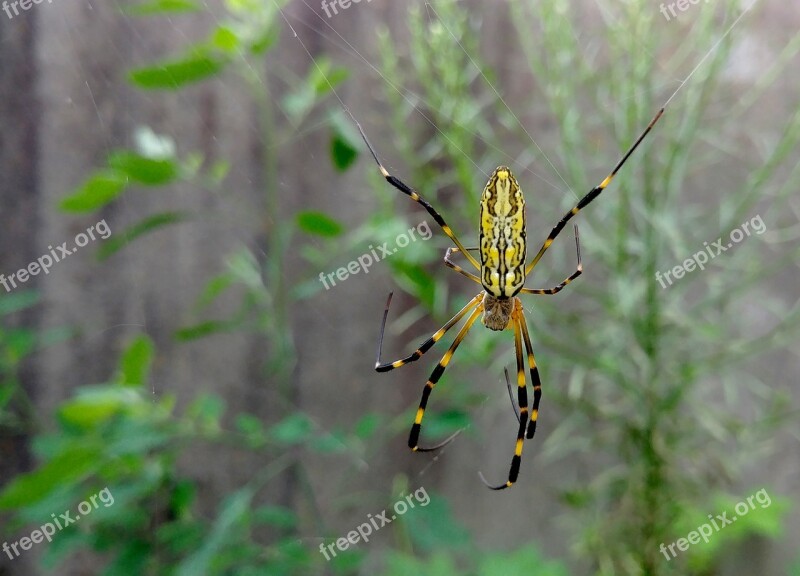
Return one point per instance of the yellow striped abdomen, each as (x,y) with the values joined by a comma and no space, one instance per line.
(502,235)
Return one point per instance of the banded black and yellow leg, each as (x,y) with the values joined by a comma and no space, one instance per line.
(535,379)
(458,268)
(558,288)
(413,438)
(593,193)
(405,189)
(417,354)
(522,398)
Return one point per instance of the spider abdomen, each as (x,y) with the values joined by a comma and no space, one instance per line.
(502,236)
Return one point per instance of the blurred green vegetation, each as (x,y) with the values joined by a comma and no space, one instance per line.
(634,395)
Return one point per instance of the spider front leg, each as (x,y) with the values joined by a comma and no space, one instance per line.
(458,268)
(414,195)
(591,195)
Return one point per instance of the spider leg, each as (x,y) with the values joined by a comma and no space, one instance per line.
(535,379)
(405,189)
(458,268)
(520,324)
(522,397)
(413,438)
(417,354)
(593,193)
(511,393)
(566,281)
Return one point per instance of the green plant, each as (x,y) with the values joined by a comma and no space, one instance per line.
(637,358)
(115,435)
(18,343)
(640,357)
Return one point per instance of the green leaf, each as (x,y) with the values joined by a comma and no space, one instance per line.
(132,558)
(219,171)
(19,343)
(244,268)
(297,104)
(16,301)
(342,125)
(162,7)
(307,289)
(365,427)
(402,564)
(94,405)
(208,409)
(329,442)
(325,77)
(266,41)
(342,153)
(234,509)
(446,422)
(523,561)
(148,171)
(275,516)
(252,428)
(415,280)
(321,79)
(136,362)
(204,329)
(292,429)
(249,424)
(433,527)
(68,541)
(225,39)
(169,75)
(72,463)
(101,188)
(214,287)
(183,495)
(122,239)
(319,224)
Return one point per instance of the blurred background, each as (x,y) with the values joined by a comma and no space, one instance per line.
(194,377)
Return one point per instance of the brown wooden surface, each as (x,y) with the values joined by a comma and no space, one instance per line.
(64,104)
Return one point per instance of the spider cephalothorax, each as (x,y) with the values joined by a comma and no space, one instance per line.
(497,311)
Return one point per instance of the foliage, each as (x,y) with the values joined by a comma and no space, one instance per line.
(637,394)
(636,391)
(115,436)
(17,345)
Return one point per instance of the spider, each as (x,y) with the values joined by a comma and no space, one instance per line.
(502,272)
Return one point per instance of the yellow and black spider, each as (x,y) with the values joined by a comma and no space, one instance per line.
(502,274)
